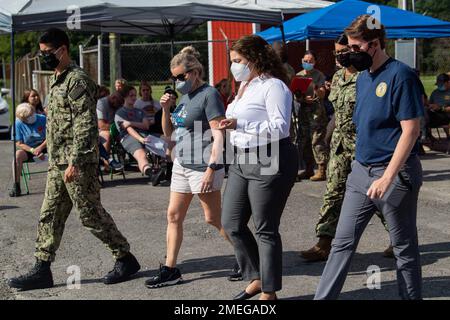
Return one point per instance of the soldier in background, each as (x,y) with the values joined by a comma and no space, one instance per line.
(72,180)
(342,153)
(313,121)
(281,49)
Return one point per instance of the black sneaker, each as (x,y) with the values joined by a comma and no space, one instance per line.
(158,177)
(116,166)
(165,183)
(124,268)
(15,190)
(236,274)
(165,277)
(39,277)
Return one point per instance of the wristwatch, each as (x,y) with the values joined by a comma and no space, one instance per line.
(215,166)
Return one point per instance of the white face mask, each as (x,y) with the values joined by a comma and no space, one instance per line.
(31,119)
(241,72)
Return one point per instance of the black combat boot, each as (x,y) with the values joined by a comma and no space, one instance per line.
(123,269)
(15,190)
(40,277)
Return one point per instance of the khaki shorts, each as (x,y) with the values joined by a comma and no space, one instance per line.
(186,180)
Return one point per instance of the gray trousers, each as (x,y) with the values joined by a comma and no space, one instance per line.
(248,194)
(399,208)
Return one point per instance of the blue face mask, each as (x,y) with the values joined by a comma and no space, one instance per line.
(31,119)
(184,87)
(442,87)
(307,66)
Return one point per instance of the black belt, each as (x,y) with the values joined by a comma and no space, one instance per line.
(375,165)
(282,142)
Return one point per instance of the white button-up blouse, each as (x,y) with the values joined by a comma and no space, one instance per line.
(263,113)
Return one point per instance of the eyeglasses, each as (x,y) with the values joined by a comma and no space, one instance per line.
(180,77)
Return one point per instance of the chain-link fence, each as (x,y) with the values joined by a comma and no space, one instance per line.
(143,61)
(151,61)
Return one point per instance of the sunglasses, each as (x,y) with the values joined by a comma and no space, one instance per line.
(180,77)
(340,52)
(47,52)
(357,48)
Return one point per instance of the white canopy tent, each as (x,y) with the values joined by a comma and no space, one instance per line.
(137,17)
(293,6)
(149,17)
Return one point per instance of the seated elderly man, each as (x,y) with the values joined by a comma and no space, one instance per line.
(106,110)
(30,141)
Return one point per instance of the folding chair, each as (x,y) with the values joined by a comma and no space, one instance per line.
(26,174)
(117,151)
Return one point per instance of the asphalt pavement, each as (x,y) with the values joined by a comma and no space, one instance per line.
(205,259)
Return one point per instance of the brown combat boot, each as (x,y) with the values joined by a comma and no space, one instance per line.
(307,173)
(320,251)
(321,174)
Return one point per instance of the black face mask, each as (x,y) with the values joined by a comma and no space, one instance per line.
(360,60)
(344,59)
(50,60)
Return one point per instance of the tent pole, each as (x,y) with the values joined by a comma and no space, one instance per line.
(13,97)
(283,36)
(172,46)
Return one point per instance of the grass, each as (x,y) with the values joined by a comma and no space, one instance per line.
(429,84)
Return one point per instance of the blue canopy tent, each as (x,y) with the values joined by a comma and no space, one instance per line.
(330,22)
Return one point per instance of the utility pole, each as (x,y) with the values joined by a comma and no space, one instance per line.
(115,65)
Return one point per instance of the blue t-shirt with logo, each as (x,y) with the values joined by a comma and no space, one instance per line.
(191,122)
(384,98)
(31,134)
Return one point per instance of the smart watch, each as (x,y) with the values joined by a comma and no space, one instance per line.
(214,166)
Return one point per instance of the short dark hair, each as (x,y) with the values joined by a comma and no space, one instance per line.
(55,37)
(126,90)
(311,53)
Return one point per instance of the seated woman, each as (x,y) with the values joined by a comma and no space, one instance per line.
(30,139)
(133,128)
(32,97)
(146,103)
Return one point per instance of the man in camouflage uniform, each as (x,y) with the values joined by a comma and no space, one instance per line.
(313,122)
(72,180)
(342,153)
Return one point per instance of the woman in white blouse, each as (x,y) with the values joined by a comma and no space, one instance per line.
(265,164)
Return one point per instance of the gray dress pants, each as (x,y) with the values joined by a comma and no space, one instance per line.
(399,208)
(252,193)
